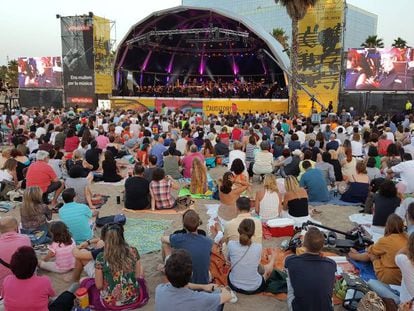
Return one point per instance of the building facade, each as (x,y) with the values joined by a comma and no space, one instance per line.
(359,24)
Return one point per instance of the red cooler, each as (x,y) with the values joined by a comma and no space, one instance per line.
(281,227)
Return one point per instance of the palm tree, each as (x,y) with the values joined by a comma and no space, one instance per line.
(280,35)
(373,42)
(296,9)
(400,43)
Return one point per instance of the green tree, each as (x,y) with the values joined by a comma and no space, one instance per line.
(296,9)
(400,43)
(280,35)
(12,73)
(373,42)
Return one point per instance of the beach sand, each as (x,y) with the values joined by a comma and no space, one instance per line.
(333,216)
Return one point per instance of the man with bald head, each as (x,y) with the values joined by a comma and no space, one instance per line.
(10,241)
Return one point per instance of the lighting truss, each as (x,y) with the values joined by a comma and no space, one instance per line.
(213,32)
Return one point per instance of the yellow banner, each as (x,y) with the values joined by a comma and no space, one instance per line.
(320,46)
(102,52)
(226,106)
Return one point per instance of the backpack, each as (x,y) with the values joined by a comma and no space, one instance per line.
(371,302)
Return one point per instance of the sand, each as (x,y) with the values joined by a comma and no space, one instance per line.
(334,216)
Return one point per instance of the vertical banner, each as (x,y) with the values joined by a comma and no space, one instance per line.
(102,52)
(320,50)
(77,55)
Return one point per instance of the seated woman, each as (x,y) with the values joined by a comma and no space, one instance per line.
(80,184)
(143,154)
(229,192)
(37,289)
(385,202)
(239,172)
(137,193)
(348,164)
(295,201)
(198,183)
(245,256)
(22,163)
(208,150)
(77,159)
(263,161)
(110,169)
(119,276)
(8,173)
(372,171)
(357,191)
(382,253)
(172,162)
(268,200)
(336,165)
(161,187)
(34,215)
(392,158)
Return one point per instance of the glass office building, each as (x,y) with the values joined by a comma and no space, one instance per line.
(359,23)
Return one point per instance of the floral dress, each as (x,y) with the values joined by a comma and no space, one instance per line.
(120,288)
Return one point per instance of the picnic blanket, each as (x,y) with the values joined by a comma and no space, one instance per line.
(365,220)
(119,183)
(145,234)
(185,191)
(334,201)
(156,212)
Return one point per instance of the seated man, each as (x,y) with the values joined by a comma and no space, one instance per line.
(326,168)
(304,293)
(42,174)
(10,241)
(179,294)
(137,191)
(314,183)
(199,246)
(76,216)
(231,229)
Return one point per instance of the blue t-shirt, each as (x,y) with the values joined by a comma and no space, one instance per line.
(199,248)
(168,297)
(77,216)
(158,150)
(315,184)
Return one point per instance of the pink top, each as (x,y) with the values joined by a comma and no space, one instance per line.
(63,255)
(31,294)
(102,141)
(9,243)
(188,162)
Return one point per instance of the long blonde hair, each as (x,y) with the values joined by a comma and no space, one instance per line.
(117,251)
(198,177)
(32,199)
(291,184)
(270,183)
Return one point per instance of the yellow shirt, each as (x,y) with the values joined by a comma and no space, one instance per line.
(386,248)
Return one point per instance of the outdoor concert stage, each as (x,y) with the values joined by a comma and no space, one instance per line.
(205,54)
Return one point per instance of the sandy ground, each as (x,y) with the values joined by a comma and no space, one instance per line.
(334,216)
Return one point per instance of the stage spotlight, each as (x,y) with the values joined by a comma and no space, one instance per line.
(90,14)
(58,16)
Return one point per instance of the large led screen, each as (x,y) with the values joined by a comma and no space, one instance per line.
(380,69)
(40,72)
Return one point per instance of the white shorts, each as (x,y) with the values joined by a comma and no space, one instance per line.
(89,268)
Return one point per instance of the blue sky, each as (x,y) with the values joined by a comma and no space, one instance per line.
(30,28)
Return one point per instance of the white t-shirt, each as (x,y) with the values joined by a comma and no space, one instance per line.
(406,170)
(237,154)
(356,148)
(5,175)
(407,283)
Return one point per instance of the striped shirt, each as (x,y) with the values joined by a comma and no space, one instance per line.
(64,259)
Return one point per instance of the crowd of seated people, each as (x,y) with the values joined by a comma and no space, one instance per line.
(213,89)
(55,156)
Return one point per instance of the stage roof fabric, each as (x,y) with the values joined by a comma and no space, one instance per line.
(188,36)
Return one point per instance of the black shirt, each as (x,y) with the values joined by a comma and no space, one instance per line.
(110,173)
(312,278)
(221,149)
(136,193)
(383,207)
(92,157)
